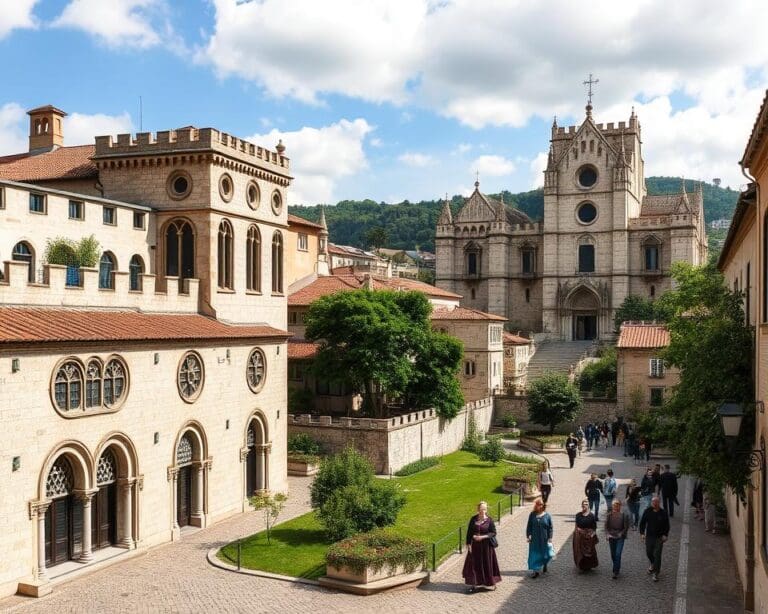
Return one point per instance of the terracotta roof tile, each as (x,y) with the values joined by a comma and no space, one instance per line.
(323,286)
(301,349)
(300,221)
(41,325)
(464,313)
(62,163)
(638,336)
(510,339)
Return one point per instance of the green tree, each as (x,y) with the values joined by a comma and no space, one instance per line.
(638,308)
(492,451)
(600,376)
(553,399)
(713,348)
(376,237)
(270,506)
(382,343)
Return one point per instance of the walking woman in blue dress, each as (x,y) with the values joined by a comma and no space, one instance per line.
(539,534)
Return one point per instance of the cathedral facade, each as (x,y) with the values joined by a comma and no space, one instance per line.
(602,238)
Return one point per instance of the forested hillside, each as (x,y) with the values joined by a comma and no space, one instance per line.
(412,225)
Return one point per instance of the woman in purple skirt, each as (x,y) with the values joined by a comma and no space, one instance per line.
(481,567)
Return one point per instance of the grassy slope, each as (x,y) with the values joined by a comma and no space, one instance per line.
(439,500)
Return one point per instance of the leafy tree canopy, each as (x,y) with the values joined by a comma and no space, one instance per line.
(553,399)
(639,308)
(713,348)
(382,342)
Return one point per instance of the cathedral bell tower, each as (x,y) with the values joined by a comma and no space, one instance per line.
(46,131)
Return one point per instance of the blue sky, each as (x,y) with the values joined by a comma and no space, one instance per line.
(394,99)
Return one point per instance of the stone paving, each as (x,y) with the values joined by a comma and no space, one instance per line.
(177,577)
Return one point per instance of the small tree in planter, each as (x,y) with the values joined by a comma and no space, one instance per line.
(552,399)
(271,506)
(73,254)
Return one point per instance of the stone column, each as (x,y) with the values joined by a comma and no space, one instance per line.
(86,556)
(173,476)
(42,509)
(198,491)
(125,486)
(265,464)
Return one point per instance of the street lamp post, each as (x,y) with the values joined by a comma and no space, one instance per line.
(731,414)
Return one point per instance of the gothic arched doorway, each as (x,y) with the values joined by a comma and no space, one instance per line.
(584,307)
(104,506)
(255,456)
(189,480)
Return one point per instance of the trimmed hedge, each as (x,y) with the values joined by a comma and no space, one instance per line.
(377,550)
(545,437)
(523,473)
(296,457)
(520,458)
(419,465)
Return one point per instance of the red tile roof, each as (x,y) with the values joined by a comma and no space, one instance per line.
(62,163)
(323,286)
(638,336)
(300,349)
(463,313)
(510,339)
(300,221)
(44,325)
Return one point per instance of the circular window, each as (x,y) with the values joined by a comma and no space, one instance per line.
(226,187)
(256,371)
(277,202)
(252,195)
(587,213)
(191,376)
(587,176)
(179,185)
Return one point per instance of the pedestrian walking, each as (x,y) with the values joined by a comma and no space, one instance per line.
(654,528)
(539,533)
(647,488)
(545,481)
(481,568)
(588,435)
(633,502)
(616,529)
(668,488)
(570,447)
(593,490)
(580,437)
(585,539)
(697,502)
(610,486)
(708,505)
(657,479)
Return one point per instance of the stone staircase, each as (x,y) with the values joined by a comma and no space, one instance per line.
(556,356)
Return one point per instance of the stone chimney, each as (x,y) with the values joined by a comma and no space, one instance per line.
(46,131)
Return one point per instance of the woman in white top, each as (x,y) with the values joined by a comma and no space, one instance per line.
(545,481)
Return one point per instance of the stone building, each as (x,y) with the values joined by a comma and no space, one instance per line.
(744,264)
(518,351)
(642,378)
(602,238)
(144,396)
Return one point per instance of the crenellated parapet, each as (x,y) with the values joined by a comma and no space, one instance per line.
(15,289)
(190,143)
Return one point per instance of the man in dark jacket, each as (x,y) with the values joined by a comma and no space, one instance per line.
(654,529)
(668,488)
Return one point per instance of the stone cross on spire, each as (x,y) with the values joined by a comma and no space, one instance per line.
(477,179)
(590,82)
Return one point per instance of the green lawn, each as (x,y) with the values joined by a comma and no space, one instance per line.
(439,501)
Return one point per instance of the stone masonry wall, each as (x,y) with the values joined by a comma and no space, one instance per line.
(392,443)
(595,410)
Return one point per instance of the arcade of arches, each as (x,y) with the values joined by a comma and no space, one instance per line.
(87,502)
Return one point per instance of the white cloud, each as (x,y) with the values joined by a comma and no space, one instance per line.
(16,14)
(80,129)
(416,160)
(320,157)
(13,129)
(537,166)
(375,142)
(492,166)
(116,23)
(304,48)
(461,148)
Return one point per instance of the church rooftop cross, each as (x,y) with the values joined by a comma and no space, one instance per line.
(590,82)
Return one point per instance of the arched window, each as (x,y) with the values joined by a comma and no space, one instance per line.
(45,126)
(107,267)
(653,291)
(22,252)
(114,382)
(93,384)
(277,262)
(68,387)
(527,295)
(38,127)
(226,261)
(135,271)
(184,452)
(60,480)
(253,259)
(472,259)
(528,260)
(180,251)
(651,254)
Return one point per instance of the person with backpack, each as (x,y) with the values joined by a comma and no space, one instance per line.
(610,487)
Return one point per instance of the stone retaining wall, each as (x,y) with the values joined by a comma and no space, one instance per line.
(391,443)
(595,410)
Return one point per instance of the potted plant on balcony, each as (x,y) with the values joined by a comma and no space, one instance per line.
(72,254)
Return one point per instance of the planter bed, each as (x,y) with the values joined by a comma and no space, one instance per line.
(303,465)
(541,445)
